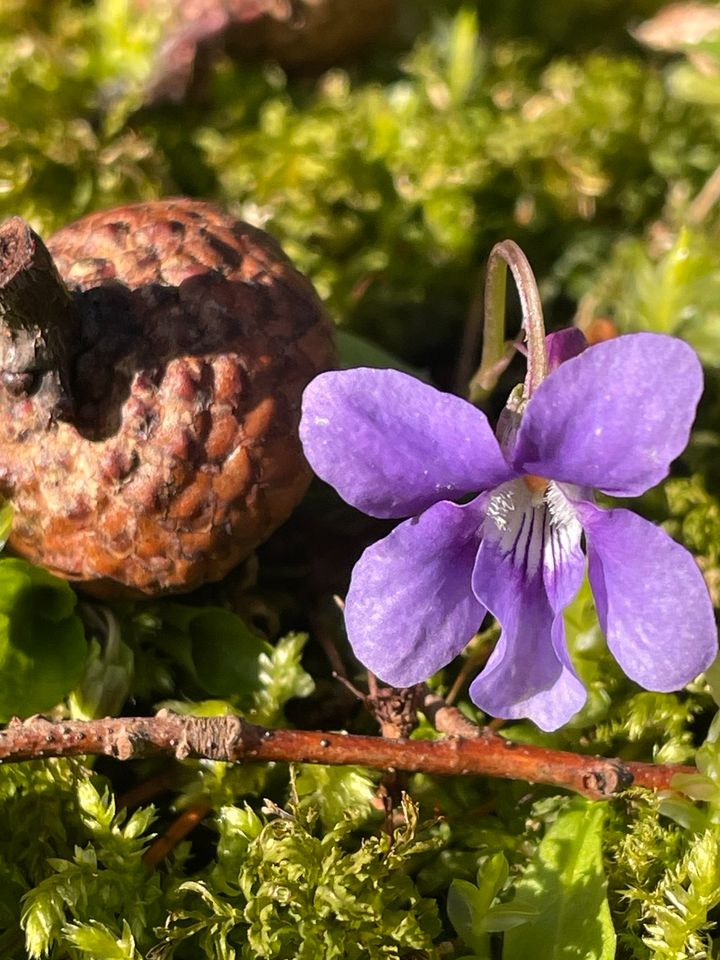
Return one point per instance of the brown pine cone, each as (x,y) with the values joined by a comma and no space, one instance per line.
(148,421)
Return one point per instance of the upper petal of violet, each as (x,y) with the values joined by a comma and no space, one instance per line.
(651,599)
(563,345)
(615,416)
(392,445)
(410,608)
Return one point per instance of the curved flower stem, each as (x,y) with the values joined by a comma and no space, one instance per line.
(496,351)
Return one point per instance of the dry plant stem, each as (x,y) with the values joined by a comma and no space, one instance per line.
(321,632)
(395,710)
(149,790)
(233,740)
(705,200)
(175,833)
(448,719)
(475,661)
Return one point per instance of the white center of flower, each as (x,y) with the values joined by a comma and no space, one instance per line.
(532,521)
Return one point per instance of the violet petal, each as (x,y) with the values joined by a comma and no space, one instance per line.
(529,674)
(563,558)
(564,345)
(615,416)
(410,608)
(651,599)
(392,445)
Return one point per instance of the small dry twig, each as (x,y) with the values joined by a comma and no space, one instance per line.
(175,833)
(232,739)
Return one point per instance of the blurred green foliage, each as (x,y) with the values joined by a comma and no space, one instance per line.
(71,74)
(389,192)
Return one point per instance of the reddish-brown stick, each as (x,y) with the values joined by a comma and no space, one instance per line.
(232,739)
(175,833)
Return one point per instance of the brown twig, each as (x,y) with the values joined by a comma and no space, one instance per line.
(232,739)
(481,648)
(175,833)
(149,790)
(395,710)
(449,719)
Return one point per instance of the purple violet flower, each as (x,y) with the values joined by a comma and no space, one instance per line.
(611,417)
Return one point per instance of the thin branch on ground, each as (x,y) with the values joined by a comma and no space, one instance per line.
(232,739)
(185,823)
(147,791)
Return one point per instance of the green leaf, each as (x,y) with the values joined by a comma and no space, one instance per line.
(684,812)
(199,708)
(465,59)
(491,878)
(470,907)
(466,915)
(356,351)
(214,645)
(566,884)
(108,671)
(42,640)
(505,916)
(94,940)
(226,653)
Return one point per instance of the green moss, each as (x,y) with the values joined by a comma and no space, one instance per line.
(280,891)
